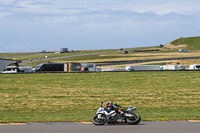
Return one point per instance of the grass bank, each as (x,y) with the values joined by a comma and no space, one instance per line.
(192,42)
(76,97)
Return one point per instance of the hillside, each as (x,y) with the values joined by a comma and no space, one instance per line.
(192,43)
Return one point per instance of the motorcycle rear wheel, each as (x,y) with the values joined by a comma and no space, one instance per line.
(135,120)
(96,121)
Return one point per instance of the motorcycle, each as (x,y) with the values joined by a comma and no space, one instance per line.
(104,115)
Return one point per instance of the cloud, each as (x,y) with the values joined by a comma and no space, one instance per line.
(7,2)
(107,24)
(141,6)
(71,7)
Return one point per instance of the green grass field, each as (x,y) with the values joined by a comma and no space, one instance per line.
(113,54)
(192,42)
(50,55)
(59,97)
(3,55)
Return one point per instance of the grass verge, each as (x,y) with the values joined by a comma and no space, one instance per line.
(72,97)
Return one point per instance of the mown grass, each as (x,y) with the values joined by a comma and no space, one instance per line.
(62,97)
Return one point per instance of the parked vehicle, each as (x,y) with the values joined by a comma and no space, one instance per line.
(15,69)
(194,67)
(113,69)
(62,67)
(112,116)
(142,67)
(91,67)
(173,67)
(125,52)
(11,69)
(26,69)
(182,50)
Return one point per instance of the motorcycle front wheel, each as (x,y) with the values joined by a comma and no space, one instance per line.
(99,119)
(135,120)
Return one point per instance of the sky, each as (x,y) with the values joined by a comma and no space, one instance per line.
(36,25)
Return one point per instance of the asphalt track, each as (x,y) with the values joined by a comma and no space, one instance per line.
(53,58)
(143,127)
(106,63)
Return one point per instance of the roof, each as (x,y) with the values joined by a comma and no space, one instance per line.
(5,62)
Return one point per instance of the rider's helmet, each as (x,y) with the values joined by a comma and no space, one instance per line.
(109,103)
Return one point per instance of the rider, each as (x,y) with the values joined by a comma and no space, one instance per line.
(113,106)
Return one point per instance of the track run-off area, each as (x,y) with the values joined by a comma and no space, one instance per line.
(143,127)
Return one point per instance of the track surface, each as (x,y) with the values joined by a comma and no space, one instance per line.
(106,63)
(144,127)
(52,58)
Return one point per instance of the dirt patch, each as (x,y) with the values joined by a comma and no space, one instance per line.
(171,46)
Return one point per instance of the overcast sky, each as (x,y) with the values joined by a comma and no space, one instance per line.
(36,25)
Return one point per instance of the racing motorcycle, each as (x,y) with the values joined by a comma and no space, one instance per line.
(104,115)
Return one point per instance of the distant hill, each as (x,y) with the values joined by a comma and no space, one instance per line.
(189,42)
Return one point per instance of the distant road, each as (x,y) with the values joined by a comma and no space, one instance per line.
(53,58)
(106,63)
(144,127)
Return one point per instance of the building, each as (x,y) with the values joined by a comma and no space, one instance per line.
(7,62)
